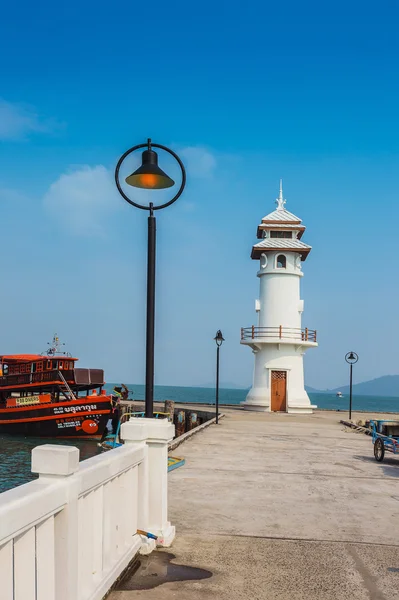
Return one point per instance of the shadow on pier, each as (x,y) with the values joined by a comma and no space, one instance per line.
(151,571)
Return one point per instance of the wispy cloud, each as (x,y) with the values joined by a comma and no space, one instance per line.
(199,161)
(83,199)
(18,121)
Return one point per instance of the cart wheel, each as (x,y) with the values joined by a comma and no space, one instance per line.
(379,450)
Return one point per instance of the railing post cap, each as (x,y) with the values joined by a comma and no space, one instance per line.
(148,430)
(51,459)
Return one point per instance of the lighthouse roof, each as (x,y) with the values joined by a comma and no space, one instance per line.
(281,215)
(281,244)
(280,230)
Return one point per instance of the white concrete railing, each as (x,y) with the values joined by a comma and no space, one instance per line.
(69,534)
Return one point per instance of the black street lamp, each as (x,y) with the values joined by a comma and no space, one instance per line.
(150,177)
(351,358)
(219,339)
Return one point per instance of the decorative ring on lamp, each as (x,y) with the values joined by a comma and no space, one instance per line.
(351,358)
(150,206)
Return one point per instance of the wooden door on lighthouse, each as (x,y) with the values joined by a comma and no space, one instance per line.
(279,391)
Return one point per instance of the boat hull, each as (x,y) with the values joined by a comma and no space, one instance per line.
(82,418)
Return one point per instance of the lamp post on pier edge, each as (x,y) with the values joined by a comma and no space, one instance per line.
(151,177)
(219,339)
(351,358)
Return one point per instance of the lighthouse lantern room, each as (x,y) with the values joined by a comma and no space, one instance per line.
(279,341)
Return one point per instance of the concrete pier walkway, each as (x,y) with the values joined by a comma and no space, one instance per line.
(283,507)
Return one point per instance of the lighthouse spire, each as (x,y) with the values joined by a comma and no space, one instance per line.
(280,200)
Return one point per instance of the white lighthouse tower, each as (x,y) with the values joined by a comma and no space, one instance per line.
(279,341)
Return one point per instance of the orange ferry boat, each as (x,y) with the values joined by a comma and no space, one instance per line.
(46,396)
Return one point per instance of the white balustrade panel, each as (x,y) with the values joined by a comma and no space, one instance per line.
(69,536)
(107,530)
(45,560)
(7,570)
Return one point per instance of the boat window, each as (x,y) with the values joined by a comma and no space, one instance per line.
(71,365)
(60,365)
(281,234)
(39,366)
(55,364)
(5,369)
(48,365)
(281,262)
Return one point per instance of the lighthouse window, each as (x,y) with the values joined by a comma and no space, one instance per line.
(281,234)
(281,262)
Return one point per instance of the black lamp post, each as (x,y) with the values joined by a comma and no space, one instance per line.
(150,177)
(219,339)
(351,358)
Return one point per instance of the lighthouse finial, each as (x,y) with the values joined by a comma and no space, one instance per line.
(280,200)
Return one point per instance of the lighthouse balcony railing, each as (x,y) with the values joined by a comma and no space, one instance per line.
(280,332)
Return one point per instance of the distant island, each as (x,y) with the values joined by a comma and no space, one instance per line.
(387,385)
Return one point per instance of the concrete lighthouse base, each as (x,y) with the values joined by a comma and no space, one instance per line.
(257,401)
(273,362)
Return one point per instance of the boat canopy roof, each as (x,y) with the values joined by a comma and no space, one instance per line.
(10,358)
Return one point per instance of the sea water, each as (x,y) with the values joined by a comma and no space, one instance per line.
(236,396)
(15,452)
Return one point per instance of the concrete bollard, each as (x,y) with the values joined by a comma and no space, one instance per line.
(170,408)
(192,421)
(181,423)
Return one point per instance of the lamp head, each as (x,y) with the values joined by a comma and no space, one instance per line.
(219,339)
(351,358)
(149,176)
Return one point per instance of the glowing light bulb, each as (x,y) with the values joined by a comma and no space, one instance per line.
(148,180)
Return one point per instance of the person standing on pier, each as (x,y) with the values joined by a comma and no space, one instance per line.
(116,409)
(116,397)
(125,392)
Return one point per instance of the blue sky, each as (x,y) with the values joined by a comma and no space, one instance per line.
(246,94)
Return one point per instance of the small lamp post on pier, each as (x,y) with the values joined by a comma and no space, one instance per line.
(351,358)
(150,177)
(219,339)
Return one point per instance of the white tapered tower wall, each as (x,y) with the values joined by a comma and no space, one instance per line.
(278,341)
(279,292)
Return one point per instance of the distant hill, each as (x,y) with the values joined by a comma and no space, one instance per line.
(313,390)
(388,385)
